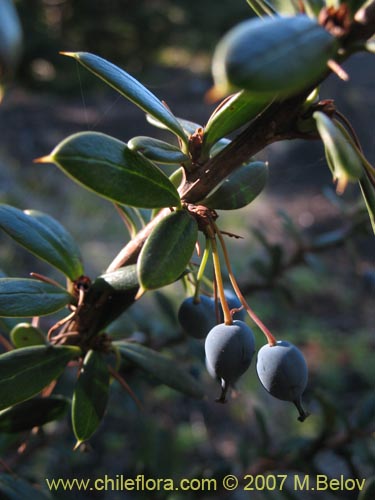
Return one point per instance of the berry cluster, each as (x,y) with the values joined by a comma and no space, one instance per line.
(229,350)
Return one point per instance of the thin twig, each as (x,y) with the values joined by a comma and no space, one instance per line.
(125,386)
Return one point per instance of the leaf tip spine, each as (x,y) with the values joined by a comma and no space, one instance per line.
(44,159)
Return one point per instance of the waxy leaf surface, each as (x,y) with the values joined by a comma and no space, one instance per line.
(108,167)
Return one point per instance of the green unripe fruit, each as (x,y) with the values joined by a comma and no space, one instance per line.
(282,371)
(229,350)
(25,335)
(278,56)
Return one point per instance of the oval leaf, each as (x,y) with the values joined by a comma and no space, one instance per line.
(121,286)
(231,114)
(131,88)
(219,146)
(25,335)
(368,193)
(240,189)
(25,372)
(22,297)
(121,280)
(156,150)
(167,250)
(188,126)
(90,396)
(108,167)
(342,157)
(177,177)
(33,413)
(44,237)
(162,368)
(275,56)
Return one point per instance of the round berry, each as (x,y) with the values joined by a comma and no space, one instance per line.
(233,303)
(282,371)
(197,318)
(229,351)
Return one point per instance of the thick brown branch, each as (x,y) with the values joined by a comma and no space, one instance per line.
(275,124)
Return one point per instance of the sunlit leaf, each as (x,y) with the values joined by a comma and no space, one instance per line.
(164,369)
(219,146)
(121,286)
(25,335)
(44,237)
(342,158)
(156,150)
(368,193)
(167,250)
(90,396)
(22,297)
(240,188)
(33,413)
(108,167)
(131,88)
(25,372)
(274,57)
(234,112)
(177,177)
(188,126)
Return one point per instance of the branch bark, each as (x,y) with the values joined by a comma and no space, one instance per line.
(276,123)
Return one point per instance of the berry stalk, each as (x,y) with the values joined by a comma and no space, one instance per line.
(270,338)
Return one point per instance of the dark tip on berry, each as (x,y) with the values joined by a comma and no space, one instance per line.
(224,389)
(302,413)
(229,350)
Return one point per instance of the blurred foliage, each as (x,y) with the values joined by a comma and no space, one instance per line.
(132,33)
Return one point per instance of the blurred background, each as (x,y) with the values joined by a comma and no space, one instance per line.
(305,260)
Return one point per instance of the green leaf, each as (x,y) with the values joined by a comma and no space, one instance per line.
(25,372)
(263,8)
(131,88)
(273,57)
(33,413)
(177,177)
(118,281)
(240,188)
(368,194)
(188,126)
(22,297)
(14,488)
(231,114)
(219,146)
(341,156)
(108,167)
(167,250)
(25,335)
(90,396)
(156,150)
(134,217)
(44,237)
(162,368)
(121,286)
